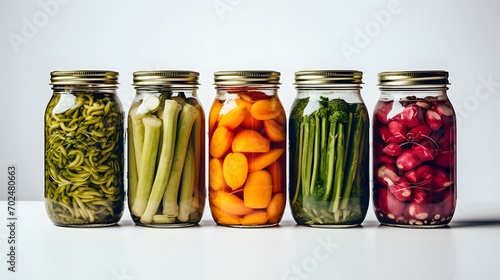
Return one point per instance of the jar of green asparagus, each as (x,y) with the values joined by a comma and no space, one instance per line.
(84,149)
(329,168)
(166,150)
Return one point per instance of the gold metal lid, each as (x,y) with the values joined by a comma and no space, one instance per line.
(166,78)
(326,77)
(411,78)
(253,77)
(84,77)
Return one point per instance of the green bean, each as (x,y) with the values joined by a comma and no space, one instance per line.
(84,160)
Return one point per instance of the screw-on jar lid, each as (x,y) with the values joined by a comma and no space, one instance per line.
(239,78)
(84,77)
(410,78)
(326,77)
(166,78)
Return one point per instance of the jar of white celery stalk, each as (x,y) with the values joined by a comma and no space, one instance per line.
(166,150)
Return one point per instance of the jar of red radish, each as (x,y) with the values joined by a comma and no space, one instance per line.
(414,150)
(247,142)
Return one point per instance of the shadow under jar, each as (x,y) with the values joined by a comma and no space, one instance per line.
(247,132)
(84,149)
(166,150)
(329,131)
(414,150)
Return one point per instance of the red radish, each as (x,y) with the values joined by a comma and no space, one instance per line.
(389,205)
(424,173)
(418,133)
(444,110)
(433,120)
(444,159)
(393,149)
(419,211)
(386,159)
(387,175)
(397,129)
(401,191)
(411,176)
(411,116)
(445,208)
(423,152)
(440,180)
(407,161)
(423,104)
(419,195)
(382,111)
(385,134)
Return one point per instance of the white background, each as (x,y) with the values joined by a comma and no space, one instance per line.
(283,35)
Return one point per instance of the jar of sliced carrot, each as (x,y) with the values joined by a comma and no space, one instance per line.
(166,150)
(329,180)
(247,143)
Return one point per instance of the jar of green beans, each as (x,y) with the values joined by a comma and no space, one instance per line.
(84,149)
(166,150)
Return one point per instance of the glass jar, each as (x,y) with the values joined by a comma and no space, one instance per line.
(329,152)
(247,142)
(414,150)
(166,150)
(84,149)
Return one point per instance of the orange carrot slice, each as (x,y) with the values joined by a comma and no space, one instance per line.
(276,207)
(249,121)
(214,116)
(233,118)
(266,109)
(230,204)
(258,189)
(281,118)
(220,142)
(224,218)
(257,217)
(250,141)
(216,176)
(277,180)
(274,131)
(235,170)
(262,161)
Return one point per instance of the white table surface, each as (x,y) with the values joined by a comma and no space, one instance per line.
(468,249)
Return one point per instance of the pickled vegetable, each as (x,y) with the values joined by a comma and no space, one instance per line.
(169,189)
(330,145)
(84,159)
(247,160)
(414,162)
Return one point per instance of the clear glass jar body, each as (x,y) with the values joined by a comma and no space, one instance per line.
(329,153)
(84,156)
(166,157)
(247,162)
(414,156)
